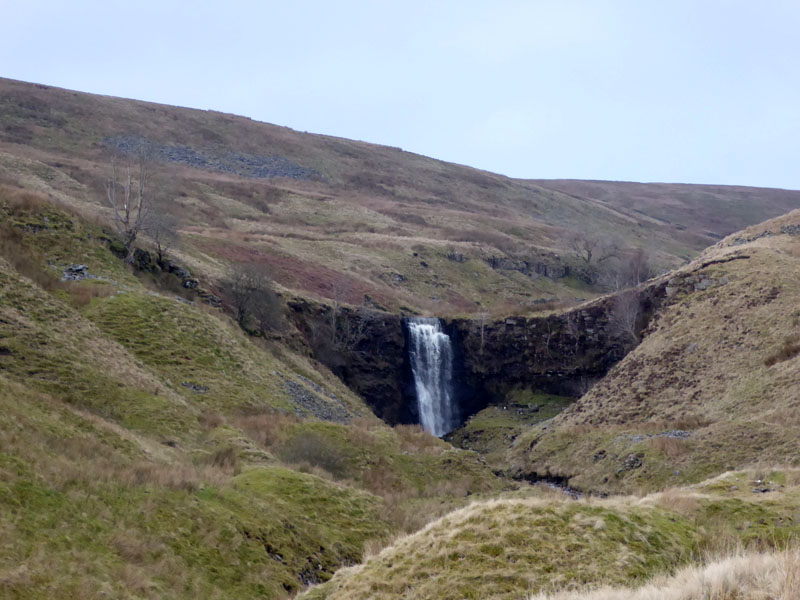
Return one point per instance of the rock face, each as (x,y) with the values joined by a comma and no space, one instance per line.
(560,354)
(552,268)
(365,348)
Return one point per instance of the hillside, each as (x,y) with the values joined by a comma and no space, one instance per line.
(149,448)
(712,386)
(238,417)
(512,547)
(349,221)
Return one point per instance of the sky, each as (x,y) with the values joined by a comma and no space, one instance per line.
(701,91)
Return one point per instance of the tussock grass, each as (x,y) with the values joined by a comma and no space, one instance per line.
(766,576)
(551,544)
(718,363)
(501,548)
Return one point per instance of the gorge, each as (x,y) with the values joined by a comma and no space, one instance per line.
(562,354)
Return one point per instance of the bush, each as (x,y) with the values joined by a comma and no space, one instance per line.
(317,451)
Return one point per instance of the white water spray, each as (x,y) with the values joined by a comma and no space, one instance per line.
(431,357)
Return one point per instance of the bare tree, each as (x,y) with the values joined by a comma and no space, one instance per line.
(163,229)
(128,192)
(639,267)
(267,310)
(352,327)
(257,307)
(340,291)
(332,338)
(573,329)
(625,315)
(628,269)
(593,248)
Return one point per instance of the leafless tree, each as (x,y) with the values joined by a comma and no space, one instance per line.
(593,248)
(267,311)
(163,229)
(257,307)
(340,291)
(639,267)
(628,269)
(625,315)
(128,192)
(573,329)
(352,326)
(334,337)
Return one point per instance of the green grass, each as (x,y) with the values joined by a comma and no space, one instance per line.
(117,481)
(515,546)
(505,549)
(87,513)
(491,431)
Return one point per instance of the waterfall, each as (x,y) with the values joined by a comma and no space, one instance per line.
(431,357)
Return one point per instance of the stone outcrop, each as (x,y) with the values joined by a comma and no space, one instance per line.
(145,261)
(560,354)
(552,269)
(224,161)
(365,348)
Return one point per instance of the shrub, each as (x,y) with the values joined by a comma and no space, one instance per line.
(317,451)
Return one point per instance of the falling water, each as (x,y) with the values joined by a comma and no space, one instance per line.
(431,357)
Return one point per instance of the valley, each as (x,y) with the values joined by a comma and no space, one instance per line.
(329,369)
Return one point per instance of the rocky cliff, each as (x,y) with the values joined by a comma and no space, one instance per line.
(560,354)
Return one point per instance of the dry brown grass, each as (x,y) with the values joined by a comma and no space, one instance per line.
(677,500)
(81,294)
(789,349)
(20,199)
(267,429)
(669,446)
(226,459)
(769,576)
(25,260)
(414,439)
(210,419)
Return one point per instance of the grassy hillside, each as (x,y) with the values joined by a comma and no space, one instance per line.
(150,449)
(511,547)
(343,220)
(713,385)
(744,577)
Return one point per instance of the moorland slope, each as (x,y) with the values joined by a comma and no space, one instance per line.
(712,386)
(347,221)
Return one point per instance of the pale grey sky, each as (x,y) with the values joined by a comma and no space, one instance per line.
(703,91)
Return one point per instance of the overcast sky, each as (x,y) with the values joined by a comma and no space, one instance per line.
(701,91)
